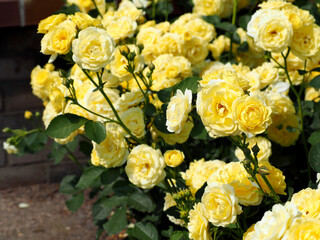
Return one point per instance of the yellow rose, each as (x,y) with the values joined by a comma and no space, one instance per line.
(58,40)
(274,32)
(112,151)
(173,158)
(57,98)
(235,175)
(168,203)
(285,131)
(148,36)
(275,178)
(221,204)
(83,20)
(198,173)
(252,114)
(198,225)
(275,222)
(214,106)
(121,28)
(196,50)
(87,5)
(218,46)
(308,202)
(119,64)
(93,49)
(48,23)
(306,42)
(312,94)
(127,8)
(133,118)
(129,99)
(10,149)
(264,145)
(178,110)
(174,138)
(28,115)
(171,43)
(268,74)
(213,7)
(145,166)
(248,234)
(304,228)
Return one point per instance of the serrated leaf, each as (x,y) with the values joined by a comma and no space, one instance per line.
(63,125)
(95,131)
(89,176)
(75,201)
(243,21)
(314,157)
(102,208)
(143,231)
(160,123)
(179,235)
(121,188)
(117,222)
(141,202)
(190,83)
(58,151)
(315,82)
(165,94)
(314,138)
(110,175)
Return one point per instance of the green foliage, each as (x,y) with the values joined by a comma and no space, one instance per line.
(143,231)
(75,201)
(315,82)
(58,151)
(190,83)
(180,235)
(141,201)
(96,131)
(63,125)
(89,176)
(117,222)
(314,157)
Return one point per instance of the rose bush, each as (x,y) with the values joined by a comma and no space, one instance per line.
(204,113)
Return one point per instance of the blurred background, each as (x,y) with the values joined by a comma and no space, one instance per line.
(19,54)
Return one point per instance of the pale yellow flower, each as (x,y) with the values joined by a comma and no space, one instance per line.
(303,228)
(198,225)
(308,202)
(48,23)
(133,118)
(173,158)
(145,166)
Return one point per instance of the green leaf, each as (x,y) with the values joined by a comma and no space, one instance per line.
(68,10)
(236,38)
(35,142)
(86,148)
(226,26)
(63,125)
(141,202)
(96,131)
(302,72)
(317,69)
(244,47)
(117,222)
(143,231)
(180,235)
(243,21)
(150,110)
(314,157)
(200,192)
(315,82)
(165,94)
(213,19)
(160,123)
(167,233)
(89,176)
(109,175)
(199,131)
(68,184)
(75,201)
(121,188)
(190,83)
(58,151)
(314,138)
(102,208)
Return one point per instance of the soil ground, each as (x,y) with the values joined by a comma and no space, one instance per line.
(46,216)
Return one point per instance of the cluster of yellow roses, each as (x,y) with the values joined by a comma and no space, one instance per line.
(250,98)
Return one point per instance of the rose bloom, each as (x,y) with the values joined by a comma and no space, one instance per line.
(198,225)
(171,43)
(252,114)
(148,36)
(199,172)
(264,145)
(308,202)
(221,204)
(48,23)
(275,222)
(112,151)
(83,20)
(127,8)
(213,7)
(285,131)
(214,106)
(58,40)
(303,228)
(145,166)
(10,149)
(312,94)
(87,5)
(268,74)
(133,118)
(178,110)
(306,42)
(121,28)
(173,158)
(275,178)
(129,99)
(196,50)
(93,49)
(235,175)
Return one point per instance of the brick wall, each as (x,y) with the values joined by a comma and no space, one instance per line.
(19,54)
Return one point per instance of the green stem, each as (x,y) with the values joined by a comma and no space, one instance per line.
(73,157)
(95,5)
(234,18)
(153,10)
(112,107)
